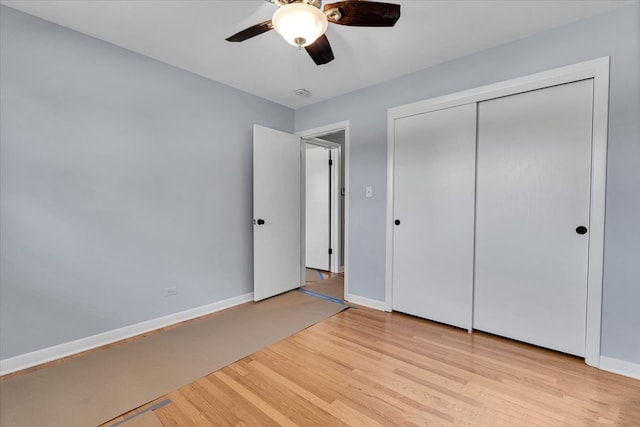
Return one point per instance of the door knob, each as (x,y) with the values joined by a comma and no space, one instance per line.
(396,222)
(260,221)
(581,229)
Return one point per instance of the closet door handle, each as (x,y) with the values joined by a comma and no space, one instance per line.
(581,229)
(260,221)
(396,222)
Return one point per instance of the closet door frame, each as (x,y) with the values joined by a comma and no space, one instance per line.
(598,70)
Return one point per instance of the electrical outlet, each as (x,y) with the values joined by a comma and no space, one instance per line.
(170,291)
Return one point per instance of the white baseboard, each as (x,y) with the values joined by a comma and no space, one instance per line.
(49,354)
(622,367)
(371,303)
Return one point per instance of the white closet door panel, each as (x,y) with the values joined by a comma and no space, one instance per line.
(434,172)
(317,208)
(533,189)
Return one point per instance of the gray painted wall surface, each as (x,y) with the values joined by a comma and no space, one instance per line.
(120,176)
(616,34)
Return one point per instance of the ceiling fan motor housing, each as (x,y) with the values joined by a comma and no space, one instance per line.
(315,3)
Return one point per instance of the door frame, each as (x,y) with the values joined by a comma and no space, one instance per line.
(598,70)
(318,132)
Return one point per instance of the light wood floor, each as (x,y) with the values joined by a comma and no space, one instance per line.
(366,368)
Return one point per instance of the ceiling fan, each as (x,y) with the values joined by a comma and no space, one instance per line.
(303,24)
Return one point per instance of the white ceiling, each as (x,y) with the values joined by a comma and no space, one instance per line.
(190,35)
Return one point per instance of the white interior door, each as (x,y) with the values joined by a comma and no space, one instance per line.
(337,215)
(434,174)
(317,217)
(277,206)
(533,187)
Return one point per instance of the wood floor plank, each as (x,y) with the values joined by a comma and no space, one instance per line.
(233,405)
(254,399)
(283,399)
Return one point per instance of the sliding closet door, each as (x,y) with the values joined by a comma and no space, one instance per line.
(533,189)
(434,171)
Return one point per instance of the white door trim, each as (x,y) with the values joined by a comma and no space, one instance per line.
(323,130)
(598,69)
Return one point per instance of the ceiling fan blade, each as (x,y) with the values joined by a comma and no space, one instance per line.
(320,50)
(358,13)
(252,31)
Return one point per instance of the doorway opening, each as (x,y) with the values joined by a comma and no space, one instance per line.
(326,206)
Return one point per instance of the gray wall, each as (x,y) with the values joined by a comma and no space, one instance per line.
(120,176)
(616,34)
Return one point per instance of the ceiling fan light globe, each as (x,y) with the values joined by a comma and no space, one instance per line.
(300,24)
